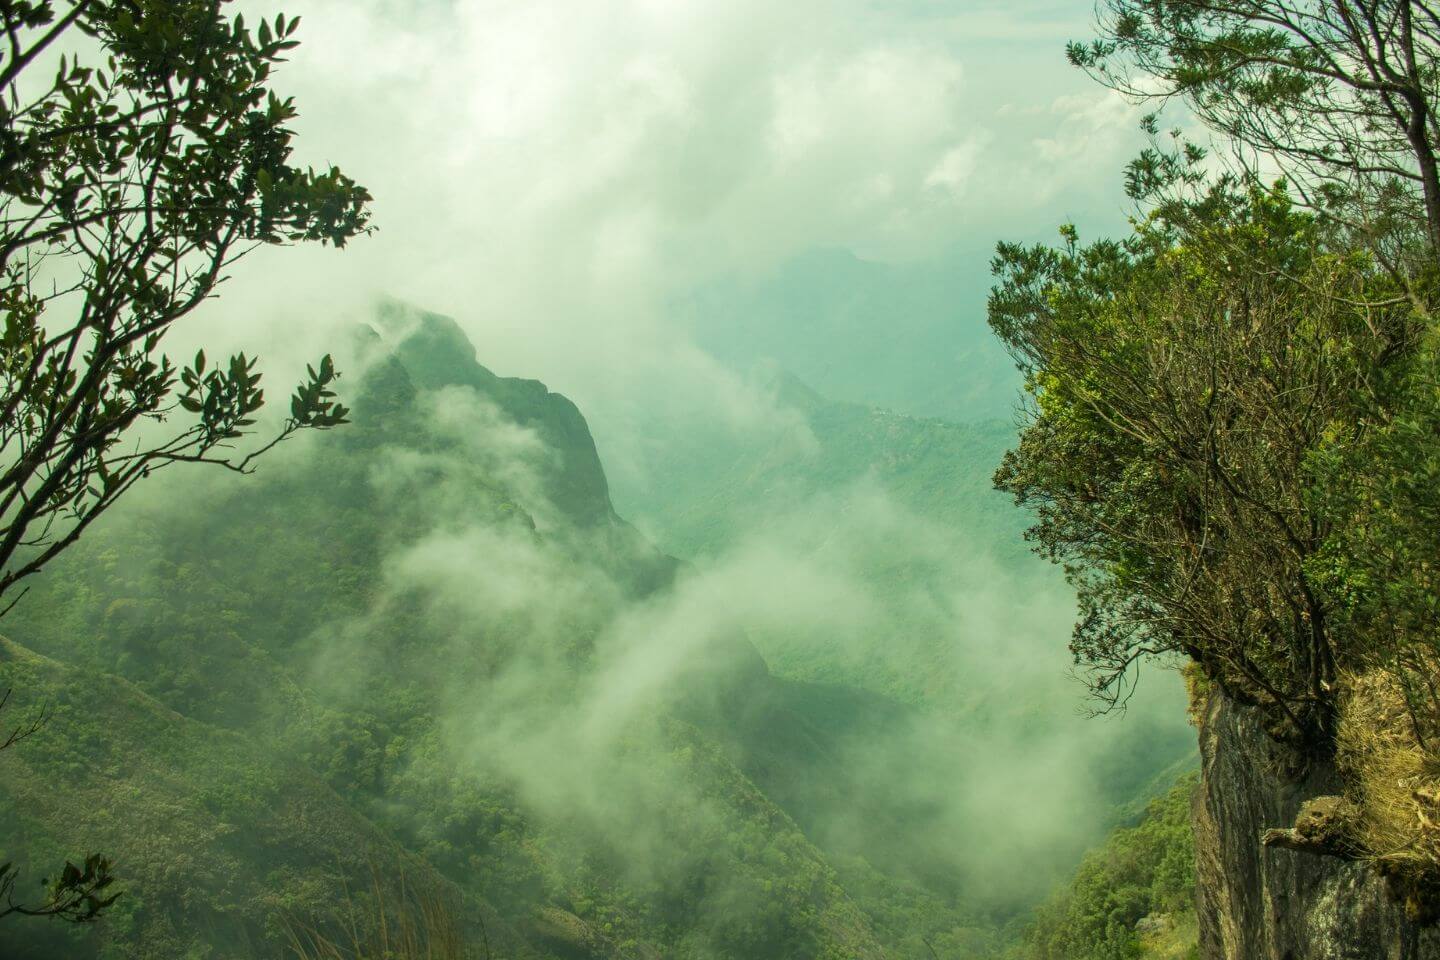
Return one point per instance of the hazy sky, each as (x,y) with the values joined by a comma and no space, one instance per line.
(555,173)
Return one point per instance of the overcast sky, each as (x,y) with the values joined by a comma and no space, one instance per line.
(554,173)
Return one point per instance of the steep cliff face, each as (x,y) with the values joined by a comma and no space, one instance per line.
(1267,903)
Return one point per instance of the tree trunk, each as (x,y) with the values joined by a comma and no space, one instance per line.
(1418,134)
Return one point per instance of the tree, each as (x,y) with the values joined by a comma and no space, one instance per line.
(1234,439)
(126,191)
(128,186)
(1183,383)
(79,894)
(1342,92)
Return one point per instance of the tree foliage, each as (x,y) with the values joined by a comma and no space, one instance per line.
(1381,564)
(1183,381)
(127,188)
(78,894)
(1143,870)
(1231,446)
(1342,92)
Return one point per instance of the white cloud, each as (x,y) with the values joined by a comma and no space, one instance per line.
(550,170)
(557,174)
(959,164)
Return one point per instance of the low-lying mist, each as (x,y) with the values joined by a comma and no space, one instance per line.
(849,717)
(977,762)
(802,688)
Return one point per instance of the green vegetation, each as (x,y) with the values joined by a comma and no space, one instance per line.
(127,189)
(1342,95)
(901,504)
(432,642)
(1231,445)
(140,181)
(724,484)
(892,525)
(249,715)
(1132,898)
(1181,532)
(413,925)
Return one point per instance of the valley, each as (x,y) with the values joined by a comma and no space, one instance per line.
(419,654)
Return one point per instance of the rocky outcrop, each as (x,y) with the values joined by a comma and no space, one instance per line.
(1277,900)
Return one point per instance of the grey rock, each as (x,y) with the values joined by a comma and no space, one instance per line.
(1275,902)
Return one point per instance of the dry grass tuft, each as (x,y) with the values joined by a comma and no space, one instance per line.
(402,924)
(1394,781)
(1197,689)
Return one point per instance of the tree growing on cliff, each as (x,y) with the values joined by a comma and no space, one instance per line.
(1234,407)
(131,179)
(1182,381)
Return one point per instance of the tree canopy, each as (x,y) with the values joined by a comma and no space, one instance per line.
(1342,93)
(1231,436)
(129,183)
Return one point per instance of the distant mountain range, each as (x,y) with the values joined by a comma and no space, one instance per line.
(907,337)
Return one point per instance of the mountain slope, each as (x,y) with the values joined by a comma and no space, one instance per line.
(429,640)
(921,592)
(401,642)
(216,839)
(712,496)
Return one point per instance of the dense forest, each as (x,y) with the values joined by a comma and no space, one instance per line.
(763,658)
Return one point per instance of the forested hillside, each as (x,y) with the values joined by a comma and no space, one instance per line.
(302,638)
(902,506)
(415,654)
(1133,896)
(726,482)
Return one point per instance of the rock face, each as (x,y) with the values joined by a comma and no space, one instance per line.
(1271,903)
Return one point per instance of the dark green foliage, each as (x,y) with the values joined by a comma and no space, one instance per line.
(1183,383)
(78,894)
(1380,565)
(139,181)
(202,824)
(1230,447)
